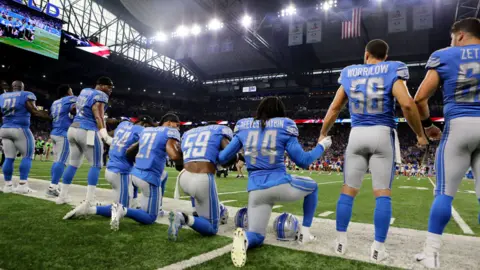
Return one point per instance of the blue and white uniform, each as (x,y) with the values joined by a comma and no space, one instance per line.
(371,143)
(148,169)
(15,133)
(84,141)
(459,148)
(203,144)
(268,181)
(61,121)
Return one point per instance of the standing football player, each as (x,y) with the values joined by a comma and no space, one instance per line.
(62,112)
(17,106)
(200,147)
(457,69)
(150,158)
(85,137)
(264,140)
(370,90)
(118,168)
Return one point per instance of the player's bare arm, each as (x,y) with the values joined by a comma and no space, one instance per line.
(174,152)
(73,109)
(410,111)
(333,111)
(98,110)
(33,109)
(132,151)
(430,84)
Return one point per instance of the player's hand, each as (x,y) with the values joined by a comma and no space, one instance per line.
(326,142)
(422,142)
(104,135)
(433,133)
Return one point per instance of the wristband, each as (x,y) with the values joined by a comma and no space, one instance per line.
(427,123)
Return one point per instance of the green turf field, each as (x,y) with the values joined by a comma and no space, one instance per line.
(411,198)
(44,43)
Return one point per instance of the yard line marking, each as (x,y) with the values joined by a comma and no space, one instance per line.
(227,201)
(277,206)
(456,216)
(410,187)
(325,214)
(392,220)
(199,259)
(325,183)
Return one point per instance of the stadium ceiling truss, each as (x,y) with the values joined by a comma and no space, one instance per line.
(86,18)
(467,8)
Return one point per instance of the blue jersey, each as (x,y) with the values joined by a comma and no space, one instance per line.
(85,101)
(203,143)
(14,109)
(60,113)
(152,154)
(125,135)
(459,71)
(369,90)
(265,148)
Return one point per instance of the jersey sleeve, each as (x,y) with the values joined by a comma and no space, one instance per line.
(100,97)
(30,96)
(342,78)
(435,61)
(137,130)
(402,71)
(72,100)
(173,134)
(291,128)
(227,133)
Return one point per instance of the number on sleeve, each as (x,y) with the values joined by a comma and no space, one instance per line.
(371,98)
(468,89)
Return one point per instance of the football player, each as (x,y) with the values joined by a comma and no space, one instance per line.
(370,90)
(200,147)
(240,164)
(118,168)
(62,112)
(150,157)
(85,137)
(457,69)
(17,106)
(264,140)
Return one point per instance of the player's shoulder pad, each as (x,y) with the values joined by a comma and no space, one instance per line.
(342,74)
(136,128)
(291,127)
(100,96)
(70,99)
(243,124)
(29,95)
(227,132)
(437,57)
(401,70)
(173,133)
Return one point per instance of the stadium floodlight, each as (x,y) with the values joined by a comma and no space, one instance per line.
(144,90)
(44,76)
(182,31)
(3,66)
(174,93)
(196,30)
(81,83)
(215,24)
(159,92)
(328,4)
(246,21)
(128,88)
(160,36)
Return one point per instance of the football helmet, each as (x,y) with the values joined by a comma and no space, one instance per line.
(286,227)
(223,214)
(241,218)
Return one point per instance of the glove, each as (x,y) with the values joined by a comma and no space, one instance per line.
(326,142)
(104,135)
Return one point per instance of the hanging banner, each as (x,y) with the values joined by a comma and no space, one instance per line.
(422,16)
(314,31)
(397,20)
(295,34)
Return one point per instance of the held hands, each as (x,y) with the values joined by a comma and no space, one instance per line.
(104,135)
(325,141)
(433,133)
(422,142)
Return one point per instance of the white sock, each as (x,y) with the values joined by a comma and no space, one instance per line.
(378,245)
(8,183)
(64,191)
(53,186)
(22,182)
(194,209)
(191,220)
(92,210)
(91,193)
(433,242)
(305,230)
(341,235)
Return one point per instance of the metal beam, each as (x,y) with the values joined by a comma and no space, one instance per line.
(467,8)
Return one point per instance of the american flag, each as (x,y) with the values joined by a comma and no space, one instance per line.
(351,26)
(88,45)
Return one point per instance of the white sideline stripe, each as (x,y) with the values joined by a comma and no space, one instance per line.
(456,216)
(392,220)
(325,214)
(227,201)
(199,259)
(325,183)
(277,206)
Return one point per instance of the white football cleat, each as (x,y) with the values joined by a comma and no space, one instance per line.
(378,255)
(135,204)
(161,213)
(429,260)
(239,248)
(23,189)
(341,245)
(63,200)
(8,189)
(304,237)
(176,221)
(117,214)
(79,211)
(52,193)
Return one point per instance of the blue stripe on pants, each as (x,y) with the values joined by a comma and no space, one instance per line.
(30,142)
(97,153)
(214,207)
(153,200)
(392,140)
(65,151)
(440,161)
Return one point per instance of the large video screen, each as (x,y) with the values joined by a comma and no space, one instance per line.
(28,29)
